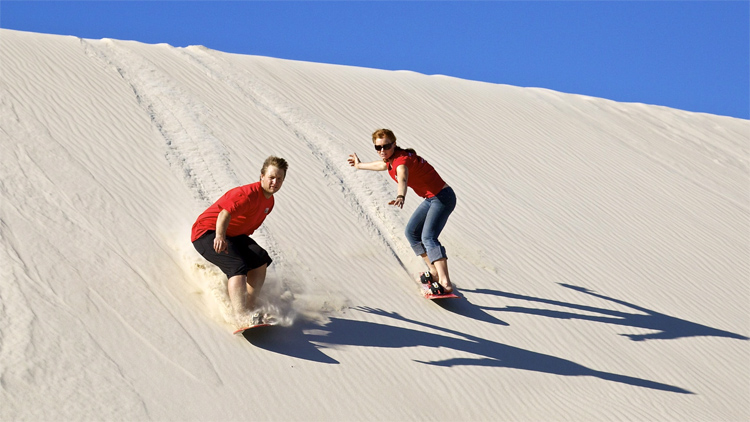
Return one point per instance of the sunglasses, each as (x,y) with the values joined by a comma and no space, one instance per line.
(385,147)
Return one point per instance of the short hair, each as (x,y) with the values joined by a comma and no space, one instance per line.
(277,162)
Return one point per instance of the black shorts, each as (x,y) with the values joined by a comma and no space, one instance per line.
(241,256)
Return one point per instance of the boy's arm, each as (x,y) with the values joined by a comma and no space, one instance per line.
(222,222)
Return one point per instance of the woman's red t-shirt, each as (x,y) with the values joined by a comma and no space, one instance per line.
(423,179)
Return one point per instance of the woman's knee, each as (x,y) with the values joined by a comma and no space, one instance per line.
(413,235)
(430,241)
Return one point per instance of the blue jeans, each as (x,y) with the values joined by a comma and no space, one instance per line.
(428,221)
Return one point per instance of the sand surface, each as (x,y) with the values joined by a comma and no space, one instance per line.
(601,248)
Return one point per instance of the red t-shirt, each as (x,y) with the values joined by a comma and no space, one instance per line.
(423,179)
(246,204)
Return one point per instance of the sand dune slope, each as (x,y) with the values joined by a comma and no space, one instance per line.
(601,248)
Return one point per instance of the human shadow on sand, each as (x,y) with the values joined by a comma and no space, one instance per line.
(307,341)
(462,306)
(295,341)
(664,327)
(291,341)
(345,332)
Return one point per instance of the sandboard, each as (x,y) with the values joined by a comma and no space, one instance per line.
(243,329)
(427,293)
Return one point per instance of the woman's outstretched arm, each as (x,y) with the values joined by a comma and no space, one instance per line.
(373,165)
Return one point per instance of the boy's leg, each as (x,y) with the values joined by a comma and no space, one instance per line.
(232,264)
(255,279)
(236,287)
(243,290)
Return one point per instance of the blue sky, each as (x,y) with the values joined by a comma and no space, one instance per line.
(691,55)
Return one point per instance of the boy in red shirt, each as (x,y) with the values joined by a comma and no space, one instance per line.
(221,234)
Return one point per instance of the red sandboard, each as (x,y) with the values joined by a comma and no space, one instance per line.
(242,330)
(427,293)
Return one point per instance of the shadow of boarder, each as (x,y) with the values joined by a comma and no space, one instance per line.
(497,355)
(290,341)
(462,306)
(665,327)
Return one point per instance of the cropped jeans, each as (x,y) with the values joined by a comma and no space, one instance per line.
(428,221)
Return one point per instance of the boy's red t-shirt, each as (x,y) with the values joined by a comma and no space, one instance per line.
(246,204)
(423,178)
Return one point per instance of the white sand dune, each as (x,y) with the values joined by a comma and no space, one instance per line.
(602,248)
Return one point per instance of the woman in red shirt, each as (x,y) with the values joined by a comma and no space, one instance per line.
(221,234)
(409,169)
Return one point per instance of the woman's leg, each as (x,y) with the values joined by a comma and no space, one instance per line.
(444,278)
(415,226)
(441,207)
(430,266)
